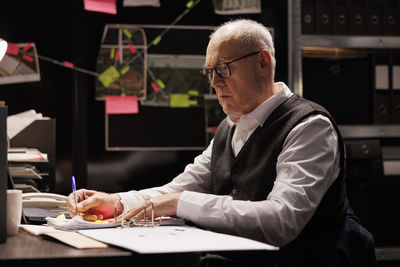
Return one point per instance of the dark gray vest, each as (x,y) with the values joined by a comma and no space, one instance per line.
(251,175)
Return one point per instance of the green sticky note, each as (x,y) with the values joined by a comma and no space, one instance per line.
(128,33)
(125,70)
(108,76)
(160,84)
(193,92)
(190,4)
(112,53)
(179,100)
(157,40)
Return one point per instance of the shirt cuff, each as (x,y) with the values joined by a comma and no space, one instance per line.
(189,205)
(130,199)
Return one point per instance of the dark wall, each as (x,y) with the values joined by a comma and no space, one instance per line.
(64,31)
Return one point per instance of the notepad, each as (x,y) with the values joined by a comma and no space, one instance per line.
(73,239)
(77,223)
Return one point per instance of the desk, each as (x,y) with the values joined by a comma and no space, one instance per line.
(27,250)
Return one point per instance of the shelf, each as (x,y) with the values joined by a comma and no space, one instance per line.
(373,42)
(370,131)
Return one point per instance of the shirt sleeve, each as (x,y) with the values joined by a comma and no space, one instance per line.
(196,177)
(306,167)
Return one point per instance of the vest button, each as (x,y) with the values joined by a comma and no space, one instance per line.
(234,191)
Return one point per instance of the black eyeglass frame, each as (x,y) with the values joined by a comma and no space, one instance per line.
(208,72)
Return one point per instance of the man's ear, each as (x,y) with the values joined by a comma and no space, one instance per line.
(265,60)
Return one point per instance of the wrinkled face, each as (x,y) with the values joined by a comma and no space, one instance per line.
(242,91)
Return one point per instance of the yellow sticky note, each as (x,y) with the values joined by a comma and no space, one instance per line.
(125,70)
(179,100)
(160,83)
(128,33)
(192,102)
(190,4)
(157,40)
(193,92)
(60,217)
(108,76)
(112,53)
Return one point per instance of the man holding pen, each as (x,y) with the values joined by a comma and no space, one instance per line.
(274,171)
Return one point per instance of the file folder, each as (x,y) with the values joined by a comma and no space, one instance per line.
(308,16)
(374,17)
(390,19)
(324,16)
(381,92)
(358,16)
(395,89)
(341,17)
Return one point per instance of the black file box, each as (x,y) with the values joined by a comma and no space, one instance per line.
(374,17)
(358,17)
(341,86)
(308,16)
(341,17)
(390,17)
(381,89)
(324,17)
(3,174)
(395,88)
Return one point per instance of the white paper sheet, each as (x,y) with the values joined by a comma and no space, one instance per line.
(173,239)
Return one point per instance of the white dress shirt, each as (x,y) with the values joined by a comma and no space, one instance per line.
(306,167)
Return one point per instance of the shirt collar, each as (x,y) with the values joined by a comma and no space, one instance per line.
(262,112)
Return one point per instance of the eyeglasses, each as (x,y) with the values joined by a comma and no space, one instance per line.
(223,69)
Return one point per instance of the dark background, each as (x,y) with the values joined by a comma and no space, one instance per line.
(63,30)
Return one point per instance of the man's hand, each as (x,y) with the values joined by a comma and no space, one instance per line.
(164,205)
(94,202)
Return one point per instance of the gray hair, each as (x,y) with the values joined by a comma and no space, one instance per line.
(251,35)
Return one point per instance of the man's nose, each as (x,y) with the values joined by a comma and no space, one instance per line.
(216,79)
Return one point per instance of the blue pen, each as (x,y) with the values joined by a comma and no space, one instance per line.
(74,190)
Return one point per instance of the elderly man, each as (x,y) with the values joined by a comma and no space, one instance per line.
(274,171)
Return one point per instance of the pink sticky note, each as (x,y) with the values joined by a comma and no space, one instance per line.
(133,50)
(104,6)
(12,49)
(27,47)
(27,58)
(155,87)
(116,104)
(69,64)
(116,55)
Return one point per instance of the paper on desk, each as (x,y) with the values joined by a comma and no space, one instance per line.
(73,239)
(17,122)
(77,223)
(173,239)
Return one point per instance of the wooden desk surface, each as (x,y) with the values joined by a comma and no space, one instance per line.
(28,250)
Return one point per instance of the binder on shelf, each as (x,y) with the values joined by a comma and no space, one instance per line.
(324,16)
(390,17)
(341,17)
(374,17)
(358,17)
(395,96)
(381,90)
(308,16)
